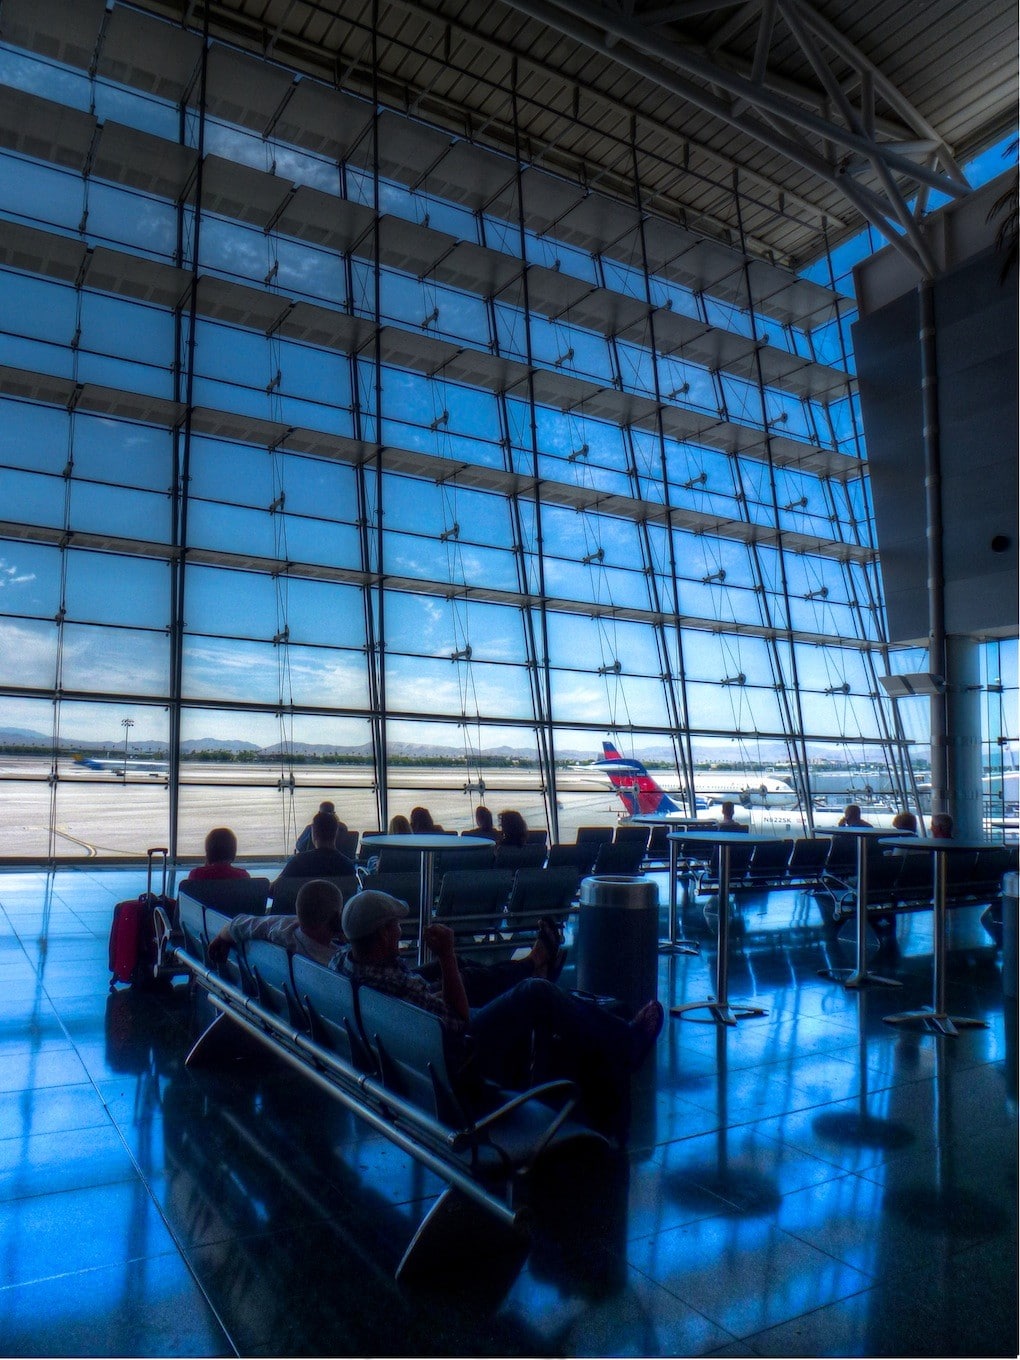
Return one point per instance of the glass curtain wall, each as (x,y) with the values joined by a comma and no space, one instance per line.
(341,458)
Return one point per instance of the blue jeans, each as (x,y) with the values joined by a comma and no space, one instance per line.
(483,982)
(536,1023)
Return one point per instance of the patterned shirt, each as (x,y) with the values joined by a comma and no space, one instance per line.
(397,979)
(282,930)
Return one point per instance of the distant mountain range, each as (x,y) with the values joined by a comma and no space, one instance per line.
(22,737)
(722,756)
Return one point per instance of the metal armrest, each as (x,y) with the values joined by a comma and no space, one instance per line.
(478,1131)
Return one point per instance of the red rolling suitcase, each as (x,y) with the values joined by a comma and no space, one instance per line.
(132,934)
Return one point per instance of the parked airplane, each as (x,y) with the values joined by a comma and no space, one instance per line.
(123,767)
(641,795)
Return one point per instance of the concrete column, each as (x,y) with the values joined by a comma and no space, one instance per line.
(963,736)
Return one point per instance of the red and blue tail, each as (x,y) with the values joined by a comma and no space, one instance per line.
(638,791)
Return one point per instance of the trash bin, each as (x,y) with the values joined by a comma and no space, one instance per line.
(617,948)
(1010,905)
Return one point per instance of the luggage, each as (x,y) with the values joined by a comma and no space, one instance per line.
(133,956)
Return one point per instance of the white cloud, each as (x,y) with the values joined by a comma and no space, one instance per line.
(28,652)
(11,575)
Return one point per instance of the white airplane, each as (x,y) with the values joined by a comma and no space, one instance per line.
(642,795)
(123,767)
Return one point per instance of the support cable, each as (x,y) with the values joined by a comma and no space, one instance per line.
(378,719)
(678,707)
(793,718)
(543,689)
(183,451)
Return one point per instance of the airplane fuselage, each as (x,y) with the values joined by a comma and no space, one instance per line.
(123,767)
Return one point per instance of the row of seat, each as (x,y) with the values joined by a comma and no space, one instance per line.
(492,911)
(624,856)
(898,882)
(786,862)
(386,1061)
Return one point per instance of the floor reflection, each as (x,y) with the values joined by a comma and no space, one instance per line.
(808,1182)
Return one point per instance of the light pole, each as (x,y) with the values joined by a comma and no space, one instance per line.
(127,724)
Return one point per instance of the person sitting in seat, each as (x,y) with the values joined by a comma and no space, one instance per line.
(728,822)
(852,817)
(483,981)
(941,826)
(483,822)
(422,823)
(324,860)
(304,841)
(399,825)
(532,1024)
(220,853)
(315,931)
(513,829)
(905,823)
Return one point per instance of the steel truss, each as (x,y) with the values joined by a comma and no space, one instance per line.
(852,129)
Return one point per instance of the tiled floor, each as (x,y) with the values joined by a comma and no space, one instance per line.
(814,1182)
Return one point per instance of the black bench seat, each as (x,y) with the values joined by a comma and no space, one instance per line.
(903,882)
(388,1067)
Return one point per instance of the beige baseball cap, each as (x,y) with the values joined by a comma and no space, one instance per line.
(368,911)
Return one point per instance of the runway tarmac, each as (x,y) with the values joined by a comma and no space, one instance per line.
(100,814)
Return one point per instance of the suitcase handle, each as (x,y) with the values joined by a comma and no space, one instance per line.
(157,850)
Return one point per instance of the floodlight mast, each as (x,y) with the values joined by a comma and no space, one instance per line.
(834,143)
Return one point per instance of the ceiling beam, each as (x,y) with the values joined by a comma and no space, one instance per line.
(784,124)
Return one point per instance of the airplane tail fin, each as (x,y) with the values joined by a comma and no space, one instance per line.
(638,791)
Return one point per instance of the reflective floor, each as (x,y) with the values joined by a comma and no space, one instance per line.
(812,1182)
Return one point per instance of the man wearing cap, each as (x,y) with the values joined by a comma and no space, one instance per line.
(449,987)
(314,932)
(506,1029)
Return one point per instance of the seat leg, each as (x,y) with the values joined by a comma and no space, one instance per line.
(458,1233)
(223,1041)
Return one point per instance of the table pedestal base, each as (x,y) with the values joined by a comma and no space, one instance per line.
(935,1022)
(680,947)
(721,1012)
(857,977)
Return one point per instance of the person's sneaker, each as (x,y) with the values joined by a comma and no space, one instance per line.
(645,1028)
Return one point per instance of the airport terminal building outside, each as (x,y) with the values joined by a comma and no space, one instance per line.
(340,453)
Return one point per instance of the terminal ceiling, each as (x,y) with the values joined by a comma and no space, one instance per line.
(823,114)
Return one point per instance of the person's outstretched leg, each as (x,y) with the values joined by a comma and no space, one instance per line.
(503,1030)
(483,982)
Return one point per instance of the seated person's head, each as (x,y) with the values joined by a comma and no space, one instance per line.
(220,846)
(371,922)
(421,821)
(399,825)
(483,819)
(727,811)
(325,828)
(942,826)
(327,806)
(513,828)
(905,821)
(851,814)
(319,905)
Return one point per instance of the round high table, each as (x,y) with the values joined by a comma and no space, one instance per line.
(859,975)
(935,1018)
(719,1006)
(674,943)
(428,846)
